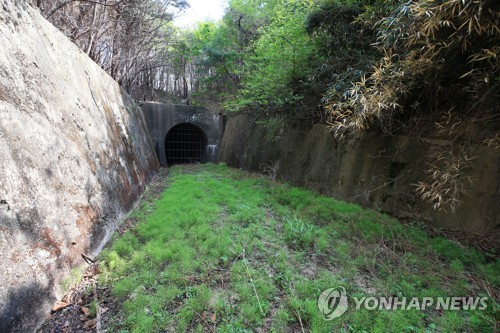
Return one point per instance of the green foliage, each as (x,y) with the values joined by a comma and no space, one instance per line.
(221,249)
(74,278)
(258,57)
(223,49)
(299,233)
(282,56)
(344,42)
(359,64)
(217,62)
(438,67)
(427,46)
(278,58)
(93,309)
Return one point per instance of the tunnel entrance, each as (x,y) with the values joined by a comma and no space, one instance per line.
(185,143)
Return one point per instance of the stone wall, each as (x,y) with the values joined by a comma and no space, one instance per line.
(370,169)
(75,156)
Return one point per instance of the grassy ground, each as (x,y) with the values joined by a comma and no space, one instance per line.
(225,251)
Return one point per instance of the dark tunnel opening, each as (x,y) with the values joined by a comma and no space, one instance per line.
(185,143)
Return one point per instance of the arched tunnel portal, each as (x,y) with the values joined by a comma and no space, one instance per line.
(183,134)
(185,143)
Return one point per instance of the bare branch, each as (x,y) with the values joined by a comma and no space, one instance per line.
(67,2)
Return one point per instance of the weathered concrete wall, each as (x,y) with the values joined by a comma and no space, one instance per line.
(75,155)
(370,169)
(161,117)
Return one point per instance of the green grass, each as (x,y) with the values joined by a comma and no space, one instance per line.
(227,251)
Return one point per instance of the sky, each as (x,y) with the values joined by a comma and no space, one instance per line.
(201,10)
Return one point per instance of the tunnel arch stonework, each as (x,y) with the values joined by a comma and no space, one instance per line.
(162,118)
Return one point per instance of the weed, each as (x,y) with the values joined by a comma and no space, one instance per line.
(226,251)
(299,233)
(74,278)
(93,309)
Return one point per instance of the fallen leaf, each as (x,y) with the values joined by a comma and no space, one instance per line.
(89,324)
(96,269)
(103,310)
(213,318)
(59,305)
(66,324)
(85,310)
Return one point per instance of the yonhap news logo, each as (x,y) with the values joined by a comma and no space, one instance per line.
(333,303)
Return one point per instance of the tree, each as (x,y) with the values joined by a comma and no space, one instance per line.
(125,37)
(437,56)
(439,74)
(281,58)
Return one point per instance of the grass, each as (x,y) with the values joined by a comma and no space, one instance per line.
(73,279)
(227,251)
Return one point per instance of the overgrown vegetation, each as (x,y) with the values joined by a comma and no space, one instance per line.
(438,56)
(424,67)
(225,251)
(428,68)
(439,76)
(127,38)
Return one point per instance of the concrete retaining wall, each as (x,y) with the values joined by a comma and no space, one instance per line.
(370,169)
(161,117)
(75,156)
